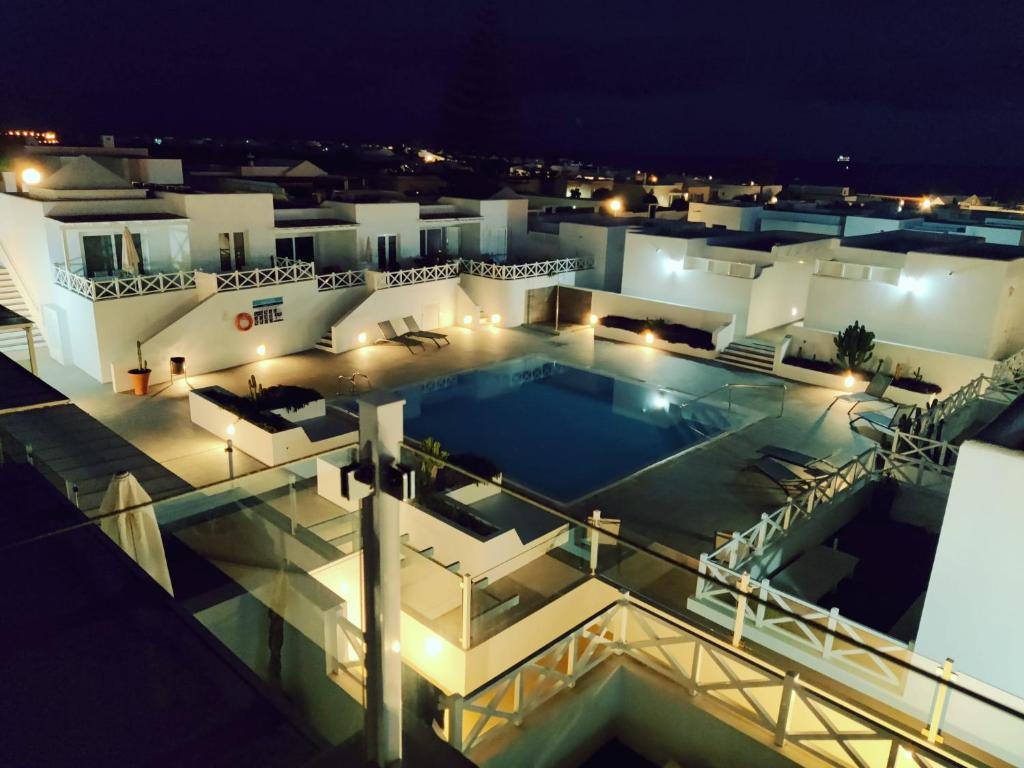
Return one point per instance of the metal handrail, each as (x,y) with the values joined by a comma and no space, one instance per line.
(739,385)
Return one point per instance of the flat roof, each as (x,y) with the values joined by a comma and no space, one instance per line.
(8,317)
(86,218)
(764,241)
(906,240)
(684,230)
(19,389)
(591,219)
(449,215)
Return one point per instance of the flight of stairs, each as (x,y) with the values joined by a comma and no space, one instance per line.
(750,354)
(325,342)
(13,343)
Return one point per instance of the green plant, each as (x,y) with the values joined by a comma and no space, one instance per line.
(433,462)
(255,389)
(854,346)
(143,366)
(917,374)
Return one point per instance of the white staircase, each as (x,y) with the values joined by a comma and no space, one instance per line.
(750,354)
(326,342)
(13,343)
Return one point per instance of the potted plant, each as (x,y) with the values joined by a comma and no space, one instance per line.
(140,375)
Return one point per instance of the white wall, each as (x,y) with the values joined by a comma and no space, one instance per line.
(437,304)
(212,214)
(208,340)
(165,244)
(376,219)
(972,610)
(734,217)
(778,296)
(604,246)
(508,297)
(603,303)
(962,305)
(950,371)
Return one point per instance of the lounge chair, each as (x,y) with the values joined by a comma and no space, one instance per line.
(414,330)
(875,392)
(885,421)
(389,333)
(781,475)
(805,461)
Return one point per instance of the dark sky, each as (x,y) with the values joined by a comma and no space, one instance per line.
(919,82)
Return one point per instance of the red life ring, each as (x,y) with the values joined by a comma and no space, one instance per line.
(243,321)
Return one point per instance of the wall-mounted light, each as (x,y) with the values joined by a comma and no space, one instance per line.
(467,320)
(794,311)
(433,646)
(849,381)
(396,647)
(361,338)
(261,350)
(230,429)
(593,319)
(31,176)
(615,205)
(914,285)
(495,318)
(648,337)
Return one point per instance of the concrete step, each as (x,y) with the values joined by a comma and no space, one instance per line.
(325,343)
(742,354)
(746,366)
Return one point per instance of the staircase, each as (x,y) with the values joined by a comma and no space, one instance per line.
(13,343)
(325,343)
(750,354)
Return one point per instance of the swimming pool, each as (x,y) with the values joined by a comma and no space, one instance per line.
(559,431)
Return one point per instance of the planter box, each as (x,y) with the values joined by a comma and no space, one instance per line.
(818,378)
(617,334)
(270,448)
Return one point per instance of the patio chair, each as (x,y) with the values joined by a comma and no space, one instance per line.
(805,461)
(875,392)
(883,420)
(389,333)
(414,330)
(788,480)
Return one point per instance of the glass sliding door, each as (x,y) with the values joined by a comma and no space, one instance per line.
(100,258)
(232,251)
(387,252)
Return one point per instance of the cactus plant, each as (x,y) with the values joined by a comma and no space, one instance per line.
(854,346)
(255,390)
(143,366)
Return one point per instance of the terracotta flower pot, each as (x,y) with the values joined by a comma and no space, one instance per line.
(140,380)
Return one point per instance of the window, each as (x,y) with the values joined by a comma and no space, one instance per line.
(301,248)
(103,254)
(387,252)
(432,242)
(231,244)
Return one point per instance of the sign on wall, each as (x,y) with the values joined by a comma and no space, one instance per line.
(266,311)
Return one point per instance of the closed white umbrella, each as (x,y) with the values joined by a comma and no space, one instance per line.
(136,532)
(130,261)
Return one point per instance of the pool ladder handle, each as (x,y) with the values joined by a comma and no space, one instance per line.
(734,385)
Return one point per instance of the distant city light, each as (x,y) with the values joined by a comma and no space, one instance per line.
(652,179)
(774,199)
(926,204)
(31,176)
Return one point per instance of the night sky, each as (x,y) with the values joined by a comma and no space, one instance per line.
(921,82)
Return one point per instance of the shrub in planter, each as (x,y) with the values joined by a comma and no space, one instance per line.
(140,374)
(674,333)
(854,346)
(288,397)
(916,383)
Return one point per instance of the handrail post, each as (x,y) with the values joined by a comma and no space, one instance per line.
(595,536)
(939,705)
(833,620)
(762,532)
(701,570)
(467,607)
(782,722)
(787,512)
(741,608)
(762,604)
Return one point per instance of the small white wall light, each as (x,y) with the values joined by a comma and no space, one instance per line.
(467,320)
(261,350)
(361,338)
(31,176)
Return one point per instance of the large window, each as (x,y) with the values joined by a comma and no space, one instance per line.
(232,250)
(387,252)
(301,248)
(103,254)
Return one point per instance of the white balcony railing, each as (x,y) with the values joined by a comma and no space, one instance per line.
(123,287)
(295,272)
(520,271)
(415,275)
(334,280)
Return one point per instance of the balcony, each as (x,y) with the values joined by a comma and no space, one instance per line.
(123,286)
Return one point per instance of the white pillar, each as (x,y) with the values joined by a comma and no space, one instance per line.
(380,439)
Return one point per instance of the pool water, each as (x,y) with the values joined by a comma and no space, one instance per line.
(559,431)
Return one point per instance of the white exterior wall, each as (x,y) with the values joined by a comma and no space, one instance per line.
(647,272)
(604,246)
(778,296)
(972,606)
(964,305)
(165,244)
(377,219)
(543,246)
(155,170)
(867,225)
(742,218)
(210,215)
(508,297)
(437,304)
(206,336)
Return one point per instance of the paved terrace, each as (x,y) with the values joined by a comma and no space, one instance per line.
(680,503)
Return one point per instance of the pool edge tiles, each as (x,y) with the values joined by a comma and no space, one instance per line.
(560,432)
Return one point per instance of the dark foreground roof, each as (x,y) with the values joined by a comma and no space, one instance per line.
(764,241)
(907,240)
(86,218)
(20,389)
